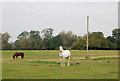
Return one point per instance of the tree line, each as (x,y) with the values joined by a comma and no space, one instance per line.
(44,40)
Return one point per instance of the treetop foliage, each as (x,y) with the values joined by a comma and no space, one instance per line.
(34,40)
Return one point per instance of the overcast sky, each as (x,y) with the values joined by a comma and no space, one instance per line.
(18,17)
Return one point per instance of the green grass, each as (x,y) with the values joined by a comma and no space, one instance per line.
(39,64)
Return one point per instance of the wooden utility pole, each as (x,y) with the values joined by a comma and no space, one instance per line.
(87,35)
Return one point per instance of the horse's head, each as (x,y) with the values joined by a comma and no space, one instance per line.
(61,49)
(13,57)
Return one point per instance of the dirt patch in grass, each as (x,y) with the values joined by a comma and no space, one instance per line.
(98,57)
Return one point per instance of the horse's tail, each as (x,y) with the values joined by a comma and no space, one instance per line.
(22,55)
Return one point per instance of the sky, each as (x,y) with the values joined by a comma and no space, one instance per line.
(68,16)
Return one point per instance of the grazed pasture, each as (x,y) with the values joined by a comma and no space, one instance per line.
(45,64)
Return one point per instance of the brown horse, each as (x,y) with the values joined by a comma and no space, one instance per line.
(18,54)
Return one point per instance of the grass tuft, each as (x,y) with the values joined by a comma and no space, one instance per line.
(49,62)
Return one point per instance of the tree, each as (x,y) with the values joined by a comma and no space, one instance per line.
(28,40)
(94,43)
(111,39)
(6,46)
(23,44)
(35,39)
(4,41)
(5,37)
(35,35)
(47,33)
(116,33)
(80,44)
(55,42)
(68,38)
(112,45)
(97,35)
(116,36)
(104,43)
(23,35)
(97,40)
(111,42)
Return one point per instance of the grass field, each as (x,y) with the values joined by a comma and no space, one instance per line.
(45,64)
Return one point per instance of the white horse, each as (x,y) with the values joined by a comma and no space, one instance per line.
(64,54)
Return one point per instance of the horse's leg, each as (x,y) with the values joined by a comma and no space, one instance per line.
(68,61)
(17,57)
(13,58)
(21,57)
(61,60)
